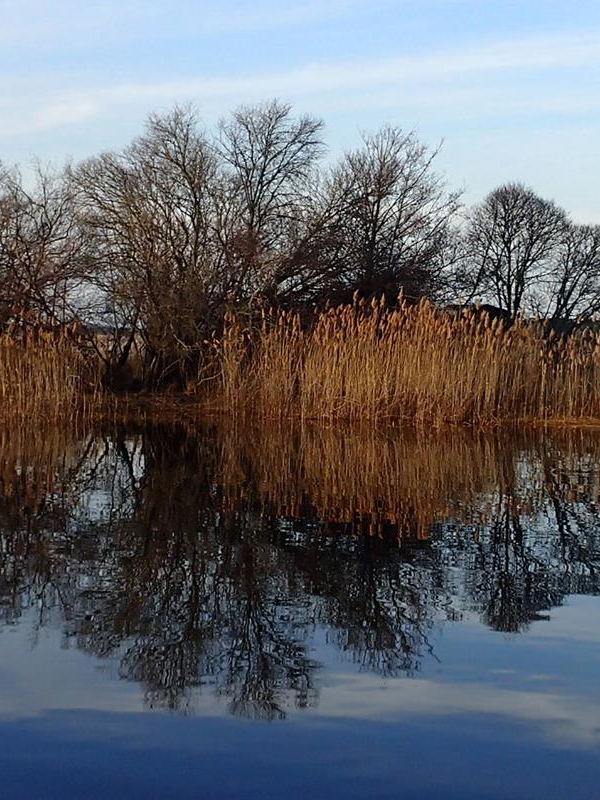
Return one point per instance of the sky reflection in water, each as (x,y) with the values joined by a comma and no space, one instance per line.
(230,613)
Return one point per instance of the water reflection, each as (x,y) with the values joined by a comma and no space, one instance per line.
(210,560)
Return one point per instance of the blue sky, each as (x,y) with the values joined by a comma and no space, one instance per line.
(512,86)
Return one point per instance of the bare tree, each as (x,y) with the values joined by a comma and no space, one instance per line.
(41,258)
(182,227)
(150,216)
(270,157)
(510,241)
(573,288)
(388,217)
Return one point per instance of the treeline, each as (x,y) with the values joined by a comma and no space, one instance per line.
(157,243)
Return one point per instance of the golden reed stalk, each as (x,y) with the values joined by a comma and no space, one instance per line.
(400,482)
(368,362)
(45,379)
(353,479)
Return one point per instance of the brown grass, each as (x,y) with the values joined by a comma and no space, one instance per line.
(385,483)
(368,362)
(362,362)
(399,482)
(45,379)
(362,478)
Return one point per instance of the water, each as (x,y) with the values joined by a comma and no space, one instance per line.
(230,613)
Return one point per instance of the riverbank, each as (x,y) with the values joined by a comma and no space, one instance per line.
(358,363)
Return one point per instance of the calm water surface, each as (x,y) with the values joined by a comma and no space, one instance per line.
(221,613)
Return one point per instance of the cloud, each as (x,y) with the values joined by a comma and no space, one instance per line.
(566,720)
(54,679)
(82,25)
(533,53)
(66,112)
(420,78)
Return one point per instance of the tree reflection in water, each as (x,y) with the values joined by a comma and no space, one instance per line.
(209,560)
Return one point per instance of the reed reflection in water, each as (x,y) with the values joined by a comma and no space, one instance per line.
(209,560)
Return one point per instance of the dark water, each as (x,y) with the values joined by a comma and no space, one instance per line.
(218,613)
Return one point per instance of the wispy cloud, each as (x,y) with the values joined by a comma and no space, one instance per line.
(422,79)
(534,53)
(566,720)
(84,25)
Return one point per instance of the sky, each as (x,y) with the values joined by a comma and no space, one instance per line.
(511,87)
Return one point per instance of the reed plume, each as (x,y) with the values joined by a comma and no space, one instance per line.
(44,378)
(367,362)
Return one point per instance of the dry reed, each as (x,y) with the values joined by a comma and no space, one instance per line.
(386,483)
(368,362)
(401,482)
(44,378)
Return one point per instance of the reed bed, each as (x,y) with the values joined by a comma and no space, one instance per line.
(44,378)
(361,478)
(403,482)
(368,362)
(352,479)
(36,464)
